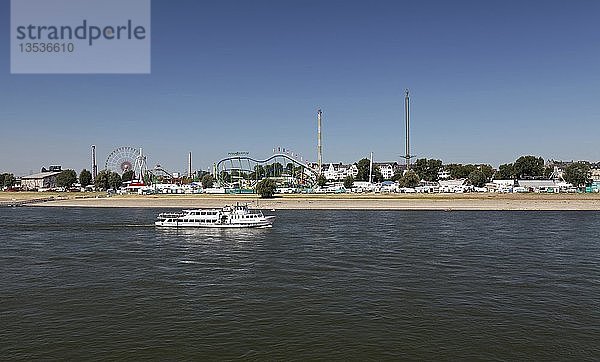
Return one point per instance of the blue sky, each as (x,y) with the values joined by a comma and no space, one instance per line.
(489,81)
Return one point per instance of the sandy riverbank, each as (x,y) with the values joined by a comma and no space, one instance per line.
(355,202)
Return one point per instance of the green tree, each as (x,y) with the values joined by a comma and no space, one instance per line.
(505,172)
(577,174)
(488,171)
(409,179)
(477,178)
(200,174)
(377,175)
(321,180)
(101,182)
(364,170)
(9,180)
(258,173)
(85,178)
(454,170)
(458,171)
(207,181)
(127,176)
(266,188)
(225,176)
(277,169)
(529,167)
(420,167)
(289,168)
(467,169)
(114,180)
(397,176)
(427,169)
(363,167)
(348,182)
(2,175)
(66,178)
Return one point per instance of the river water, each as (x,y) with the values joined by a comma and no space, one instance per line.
(98,284)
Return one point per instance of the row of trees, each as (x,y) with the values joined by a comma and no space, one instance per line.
(524,167)
(108,180)
(67,178)
(429,169)
(531,167)
(105,179)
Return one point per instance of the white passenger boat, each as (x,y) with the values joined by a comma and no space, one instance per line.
(238,216)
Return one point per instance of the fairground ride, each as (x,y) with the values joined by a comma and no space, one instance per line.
(244,172)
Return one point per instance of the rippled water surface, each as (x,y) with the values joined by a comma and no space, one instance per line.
(105,284)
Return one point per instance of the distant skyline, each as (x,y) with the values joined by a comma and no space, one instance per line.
(489,81)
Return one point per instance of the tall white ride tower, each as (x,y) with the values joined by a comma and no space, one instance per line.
(319,144)
(407,156)
(94,164)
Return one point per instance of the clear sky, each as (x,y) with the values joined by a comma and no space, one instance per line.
(489,81)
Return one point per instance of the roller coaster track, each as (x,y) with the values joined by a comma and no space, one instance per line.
(244,164)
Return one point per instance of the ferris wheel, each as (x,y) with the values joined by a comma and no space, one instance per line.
(123,159)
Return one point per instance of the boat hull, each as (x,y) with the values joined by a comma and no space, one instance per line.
(267,223)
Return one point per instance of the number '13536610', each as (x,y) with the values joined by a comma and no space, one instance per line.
(47,47)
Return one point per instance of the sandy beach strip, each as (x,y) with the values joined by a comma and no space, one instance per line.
(347,202)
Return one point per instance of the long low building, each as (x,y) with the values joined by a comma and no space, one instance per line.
(42,180)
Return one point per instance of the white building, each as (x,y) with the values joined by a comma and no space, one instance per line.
(338,171)
(42,180)
(387,170)
(353,170)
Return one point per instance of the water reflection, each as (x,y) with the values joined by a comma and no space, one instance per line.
(203,235)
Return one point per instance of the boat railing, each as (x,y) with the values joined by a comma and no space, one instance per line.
(170,214)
